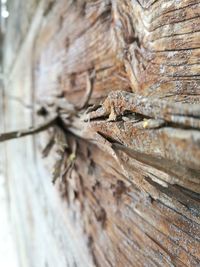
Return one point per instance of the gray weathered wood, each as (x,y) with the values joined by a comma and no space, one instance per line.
(124,78)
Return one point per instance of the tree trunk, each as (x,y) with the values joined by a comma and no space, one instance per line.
(123,77)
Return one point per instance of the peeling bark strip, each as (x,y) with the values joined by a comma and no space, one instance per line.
(123,79)
(119,103)
(30,131)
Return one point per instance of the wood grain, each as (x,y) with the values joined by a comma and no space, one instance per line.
(134,188)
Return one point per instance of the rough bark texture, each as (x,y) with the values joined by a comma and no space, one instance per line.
(130,191)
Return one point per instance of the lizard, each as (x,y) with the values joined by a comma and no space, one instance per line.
(58,113)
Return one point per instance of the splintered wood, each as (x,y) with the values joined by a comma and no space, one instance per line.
(129,71)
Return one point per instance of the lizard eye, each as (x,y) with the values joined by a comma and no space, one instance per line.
(42,112)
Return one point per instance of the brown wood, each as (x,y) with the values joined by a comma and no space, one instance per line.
(124,78)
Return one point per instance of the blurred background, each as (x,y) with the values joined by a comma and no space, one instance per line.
(8,250)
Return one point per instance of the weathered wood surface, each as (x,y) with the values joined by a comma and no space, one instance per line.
(134,185)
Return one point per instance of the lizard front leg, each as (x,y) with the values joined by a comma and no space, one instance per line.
(61,146)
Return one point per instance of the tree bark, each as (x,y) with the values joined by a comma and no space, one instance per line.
(130,172)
